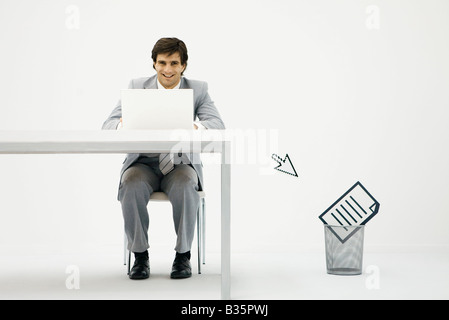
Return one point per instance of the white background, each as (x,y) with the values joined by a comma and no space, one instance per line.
(352,90)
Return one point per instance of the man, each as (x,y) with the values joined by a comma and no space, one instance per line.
(143,174)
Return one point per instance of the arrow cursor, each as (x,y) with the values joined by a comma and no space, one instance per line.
(285,165)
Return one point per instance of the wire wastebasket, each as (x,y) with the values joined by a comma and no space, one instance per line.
(344,249)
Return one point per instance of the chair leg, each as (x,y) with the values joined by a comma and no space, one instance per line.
(125,245)
(129,262)
(203,230)
(198,235)
(125,250)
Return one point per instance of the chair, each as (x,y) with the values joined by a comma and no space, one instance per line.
(200,226)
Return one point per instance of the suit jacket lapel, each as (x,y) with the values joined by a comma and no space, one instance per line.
(183,84)
(151,83)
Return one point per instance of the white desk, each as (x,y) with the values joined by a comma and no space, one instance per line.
(111,141)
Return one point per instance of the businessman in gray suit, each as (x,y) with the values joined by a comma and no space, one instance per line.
(143,174)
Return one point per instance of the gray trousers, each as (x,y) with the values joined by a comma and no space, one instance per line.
(180,185)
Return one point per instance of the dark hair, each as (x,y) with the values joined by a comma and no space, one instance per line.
(170,46)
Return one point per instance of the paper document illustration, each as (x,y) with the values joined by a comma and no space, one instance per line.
(356,207)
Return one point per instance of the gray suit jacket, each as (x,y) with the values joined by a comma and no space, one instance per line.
(204,110)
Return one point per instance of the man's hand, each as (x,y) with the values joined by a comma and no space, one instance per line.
(195,127)
(119,125)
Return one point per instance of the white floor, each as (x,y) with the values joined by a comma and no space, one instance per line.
(84,275)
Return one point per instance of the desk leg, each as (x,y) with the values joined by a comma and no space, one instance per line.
(226,223)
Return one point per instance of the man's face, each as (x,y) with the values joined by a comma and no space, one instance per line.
(169,69)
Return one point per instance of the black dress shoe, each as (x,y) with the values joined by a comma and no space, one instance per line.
(181,267)
(140,269)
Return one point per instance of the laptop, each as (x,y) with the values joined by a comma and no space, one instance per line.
(153,109)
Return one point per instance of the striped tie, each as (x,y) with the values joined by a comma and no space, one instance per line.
(166,163)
